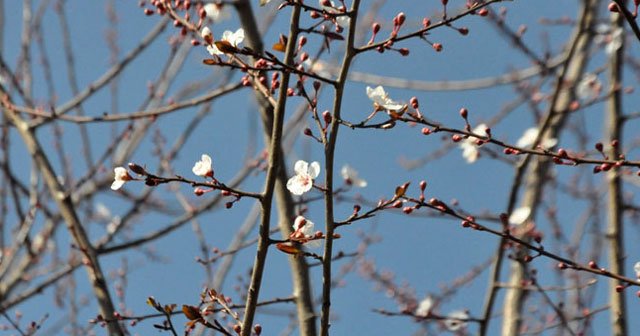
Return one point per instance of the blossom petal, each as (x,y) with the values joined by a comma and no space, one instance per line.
(425,306)
(314,169)
(519,215)
(117,184)
(301,167)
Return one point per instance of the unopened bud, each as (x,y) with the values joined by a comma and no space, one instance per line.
(137,169)
(401,18)
(414,102)
(375,27)
(327,117)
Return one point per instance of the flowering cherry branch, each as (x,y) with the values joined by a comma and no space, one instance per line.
(202,168)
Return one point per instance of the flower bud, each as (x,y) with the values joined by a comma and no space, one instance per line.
(137,169)
(400,18)
(414,102)
(375,27)
(327,117)
(599,146)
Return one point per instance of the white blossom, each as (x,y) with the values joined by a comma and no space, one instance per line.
(264,2)
(612,39)
(529,137)
(203,167)
(381,99)
(121,176)
(470,151)
(318,67)
(216,12)
(424,307)
(589,86)
(303,180)
(352,177)
(636,268)
(234,39)
(519,215)
(456,320)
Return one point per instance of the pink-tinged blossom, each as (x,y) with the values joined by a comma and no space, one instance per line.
(381,99)
(456,320)
(234,39)
(207,35)
(203,167)
(303,231)
(588,87)
(530,136)
(121,176)
(470,151)
(303,180)
(609,37)
(352,177)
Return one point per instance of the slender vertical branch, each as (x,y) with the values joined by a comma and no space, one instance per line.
(615,216)
(329,153)
(551,127)
(275,157)
(284,202)
(68,213)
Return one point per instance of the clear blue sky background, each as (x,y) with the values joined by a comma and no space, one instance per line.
(424,253)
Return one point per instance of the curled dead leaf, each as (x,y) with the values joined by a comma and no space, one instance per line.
(289,249)
(191,312)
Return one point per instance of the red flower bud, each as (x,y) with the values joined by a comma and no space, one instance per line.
(414,102)
(375,27)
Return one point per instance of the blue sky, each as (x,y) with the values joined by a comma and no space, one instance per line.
(423,252)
